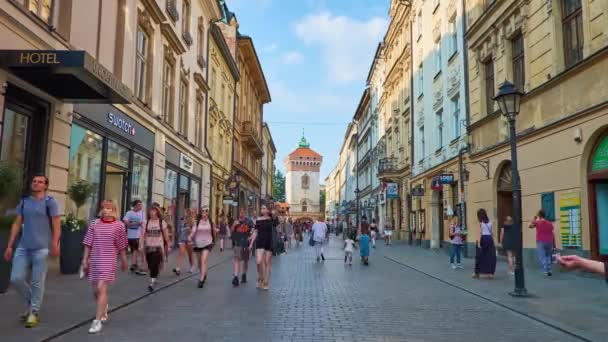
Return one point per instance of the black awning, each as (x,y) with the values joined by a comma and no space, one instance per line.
(72,76)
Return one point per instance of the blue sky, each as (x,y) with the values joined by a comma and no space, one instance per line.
(315,55)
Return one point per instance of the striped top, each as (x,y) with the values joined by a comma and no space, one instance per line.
(153,236)
(106,239)
(202,234)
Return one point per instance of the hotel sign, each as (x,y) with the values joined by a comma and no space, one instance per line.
(68,75)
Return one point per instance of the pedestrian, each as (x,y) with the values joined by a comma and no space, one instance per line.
(241,234)
(388,233)
(363,225)
(298,234)
(134,220)
(545,241)
(104,241)
(203,237)
(319,231)
(185,246)
(289,232)
(223,229)
(154,241)
(456,234)
(509,239)
(364,245)
(373,232)
(39,224)
(262,237)
(486,263)
(349,246)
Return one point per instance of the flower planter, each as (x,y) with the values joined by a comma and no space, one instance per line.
(71,250)
(5,267)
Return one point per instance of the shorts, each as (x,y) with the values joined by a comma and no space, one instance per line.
(241,253)
(265,244)
(200,249)
(184,234)
(134,244)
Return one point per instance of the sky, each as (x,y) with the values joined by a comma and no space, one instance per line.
(316,55)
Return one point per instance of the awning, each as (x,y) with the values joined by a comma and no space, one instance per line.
(72,76)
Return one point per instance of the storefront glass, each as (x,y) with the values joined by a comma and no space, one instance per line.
(85,164)
(14,137)
(183,200)
(194,194)
(118,154)
(170,194)
(140,178)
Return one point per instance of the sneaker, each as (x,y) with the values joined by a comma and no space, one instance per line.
(150,288)
(96,327)
(141,272)
(549,274)
(32,320)
(176,271)
(200,284)
(24,316)
(244,278)
(266,287)
(221,249)
(235,281)
(511,273)
(459,266)
(453,266)
(322,257)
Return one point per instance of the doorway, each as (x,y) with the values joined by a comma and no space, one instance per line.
(183,196)
(504,194)
(116,186)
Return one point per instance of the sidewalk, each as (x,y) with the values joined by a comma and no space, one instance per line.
(68,300)
(566,301)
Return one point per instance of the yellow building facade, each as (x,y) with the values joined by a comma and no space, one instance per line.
(223,79)
(268,166)
(252,94)
(556,53)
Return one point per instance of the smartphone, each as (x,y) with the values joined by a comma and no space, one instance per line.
(555,258)
(81,273)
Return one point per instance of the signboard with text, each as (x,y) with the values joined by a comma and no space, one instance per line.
(392,190)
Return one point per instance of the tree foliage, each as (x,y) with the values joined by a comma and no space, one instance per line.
(278,187)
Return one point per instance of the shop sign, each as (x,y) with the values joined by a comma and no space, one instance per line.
(436,184)
(228,200)
(417,191)
(392,190)
(121,123)
(446,178)
(186,163)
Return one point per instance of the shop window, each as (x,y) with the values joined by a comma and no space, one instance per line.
(42,9)
(170,194)
(140,178)
(85,164)
(194,194)
(118,154)
(14,137)
(141,65)
(572,22)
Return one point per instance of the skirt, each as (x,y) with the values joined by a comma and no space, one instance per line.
(485,258)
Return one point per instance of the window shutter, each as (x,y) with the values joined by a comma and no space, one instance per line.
(548,205)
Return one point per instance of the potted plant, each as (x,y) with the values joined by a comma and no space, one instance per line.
(11,181)
(73,228)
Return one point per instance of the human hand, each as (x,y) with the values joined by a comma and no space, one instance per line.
(85,266)
(8,254)
(571,261)
(55,250)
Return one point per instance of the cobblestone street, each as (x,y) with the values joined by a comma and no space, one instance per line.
(311,301)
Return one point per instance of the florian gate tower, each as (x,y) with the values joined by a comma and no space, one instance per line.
(302,182)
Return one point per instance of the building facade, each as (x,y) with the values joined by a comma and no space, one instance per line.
(556,53)
(113,121)
(224,76)
(302,181)
(439,117)
(252,94)
(268,168)
(365,167)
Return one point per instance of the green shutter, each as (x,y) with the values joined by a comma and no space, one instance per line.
(548,204)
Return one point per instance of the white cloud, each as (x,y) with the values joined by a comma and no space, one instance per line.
(347,44)
(292,57)
(271,48)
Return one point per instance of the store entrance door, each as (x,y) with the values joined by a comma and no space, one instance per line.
(116,186)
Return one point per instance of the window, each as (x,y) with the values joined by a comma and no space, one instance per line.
(435,5)
(42,9)
(517,48)
(201,45)
(198,114)
(170,195)
(437,58)
(304,206)
(456,113)
(489,85)
(185,16)
(305,182)
(439,129)
(167,93)
(141,65)
(422,145)
(213,81)
(182,119)
(452,38)
(572,21)
(419,24)
(420,79)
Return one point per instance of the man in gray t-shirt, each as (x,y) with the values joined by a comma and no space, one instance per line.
(135,220)
(38,221)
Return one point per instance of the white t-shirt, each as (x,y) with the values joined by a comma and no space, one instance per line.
(319,229)
(349,245)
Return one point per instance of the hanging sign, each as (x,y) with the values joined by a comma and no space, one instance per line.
(392,190)
(570,219)
(417,191)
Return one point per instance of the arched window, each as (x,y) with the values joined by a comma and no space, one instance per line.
(304,206)
(305,181)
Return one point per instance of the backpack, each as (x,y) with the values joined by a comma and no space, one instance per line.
(242,228)
(46,204)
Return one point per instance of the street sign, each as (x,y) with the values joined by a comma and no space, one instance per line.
(446,178)
(392,190)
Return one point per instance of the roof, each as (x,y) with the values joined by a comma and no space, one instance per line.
(248,49)
(304,152)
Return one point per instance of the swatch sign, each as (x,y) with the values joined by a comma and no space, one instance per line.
(121,123)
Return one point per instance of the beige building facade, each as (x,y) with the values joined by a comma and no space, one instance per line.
(556,53)
(109,118)
(268,167)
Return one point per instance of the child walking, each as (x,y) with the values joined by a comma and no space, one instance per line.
(105,238)
(349,246)
(364,245)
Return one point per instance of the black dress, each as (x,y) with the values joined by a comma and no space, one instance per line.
(510,237)
(264,228)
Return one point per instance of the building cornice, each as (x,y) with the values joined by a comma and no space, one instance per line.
(218,36)
(253,64)
(174,41)
(156,13)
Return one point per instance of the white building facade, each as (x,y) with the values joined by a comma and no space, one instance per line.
(302,182)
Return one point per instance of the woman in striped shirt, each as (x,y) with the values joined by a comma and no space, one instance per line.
(105,239)
(154,236)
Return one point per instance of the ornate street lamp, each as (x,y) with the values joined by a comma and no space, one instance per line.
(509,99)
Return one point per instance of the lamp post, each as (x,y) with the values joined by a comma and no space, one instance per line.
(508,99)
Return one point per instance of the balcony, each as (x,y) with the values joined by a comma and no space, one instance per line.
(251,138)
(391,167)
